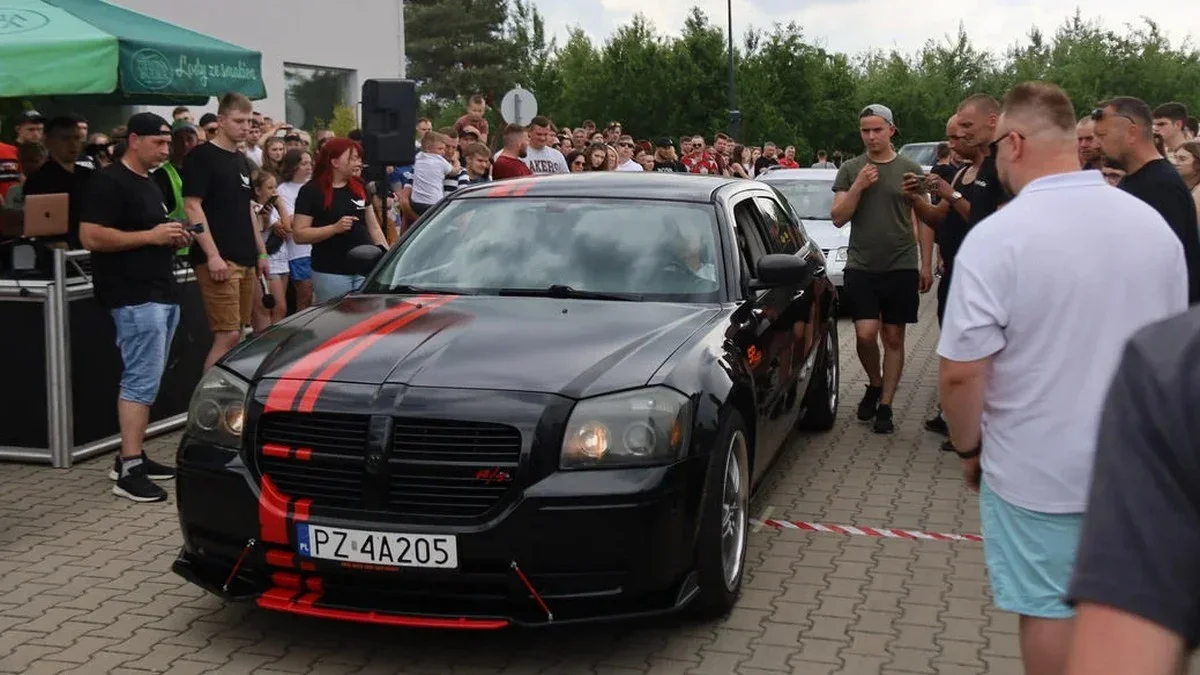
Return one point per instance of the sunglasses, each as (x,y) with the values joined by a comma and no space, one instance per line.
(625,145)
(994,146)
(1098,114)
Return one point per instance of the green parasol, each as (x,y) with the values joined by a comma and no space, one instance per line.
(92,48)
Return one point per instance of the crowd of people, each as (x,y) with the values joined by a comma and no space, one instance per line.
(1066,354)
(1068,248)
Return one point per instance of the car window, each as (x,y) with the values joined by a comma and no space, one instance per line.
(658,250)
(811,199)
(777,227)
(746,227)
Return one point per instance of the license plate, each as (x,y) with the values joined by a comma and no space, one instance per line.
(391,549)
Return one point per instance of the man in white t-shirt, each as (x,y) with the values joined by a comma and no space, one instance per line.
(542,157)
(1043,300)
(625,151)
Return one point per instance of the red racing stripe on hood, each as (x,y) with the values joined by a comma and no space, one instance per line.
(287,387)
(329,372)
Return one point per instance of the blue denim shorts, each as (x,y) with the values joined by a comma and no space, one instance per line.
(1029,556)
(300,268)
(327,287)
(144,334)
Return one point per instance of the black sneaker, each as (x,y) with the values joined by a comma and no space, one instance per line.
(869,403)
(154,470)
(136,485)
(883,420)
(937,424)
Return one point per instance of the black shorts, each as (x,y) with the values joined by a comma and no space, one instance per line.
(943,294)
(892,297)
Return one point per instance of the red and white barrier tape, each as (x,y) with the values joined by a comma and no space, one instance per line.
(889,532)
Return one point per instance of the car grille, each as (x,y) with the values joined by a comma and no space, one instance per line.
(435,467)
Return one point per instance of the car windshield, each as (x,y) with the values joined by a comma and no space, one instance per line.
(811,199)
(566,247)
(921,153)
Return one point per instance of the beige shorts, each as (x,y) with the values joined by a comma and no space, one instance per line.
(227,303)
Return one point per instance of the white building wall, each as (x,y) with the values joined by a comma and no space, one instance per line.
(362,36)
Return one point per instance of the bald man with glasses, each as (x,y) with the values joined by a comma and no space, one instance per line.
(1124,127)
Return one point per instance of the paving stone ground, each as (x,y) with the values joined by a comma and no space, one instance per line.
(85,585)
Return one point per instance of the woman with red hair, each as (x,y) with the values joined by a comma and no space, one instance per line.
(332,214)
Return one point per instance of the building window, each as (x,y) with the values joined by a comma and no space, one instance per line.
(313,91)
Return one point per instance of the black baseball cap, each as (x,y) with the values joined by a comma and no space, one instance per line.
(30,117)
(147,124)
(207,119)
(665,142)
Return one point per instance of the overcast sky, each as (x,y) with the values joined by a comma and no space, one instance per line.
(855,25)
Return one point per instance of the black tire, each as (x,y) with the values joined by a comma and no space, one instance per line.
(719,593)
(819,409)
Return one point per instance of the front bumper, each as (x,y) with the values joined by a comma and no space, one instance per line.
(594,545)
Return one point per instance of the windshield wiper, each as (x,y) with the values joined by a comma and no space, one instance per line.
(424,290)
(564,291)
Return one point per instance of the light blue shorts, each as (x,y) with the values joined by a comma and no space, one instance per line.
(144,334)
(1029,556)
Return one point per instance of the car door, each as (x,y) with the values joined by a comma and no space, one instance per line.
(758,325)
(782,232)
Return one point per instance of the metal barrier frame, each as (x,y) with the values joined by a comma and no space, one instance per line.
(55,297)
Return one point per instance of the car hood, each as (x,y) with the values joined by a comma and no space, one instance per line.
(575,348)
(826,235)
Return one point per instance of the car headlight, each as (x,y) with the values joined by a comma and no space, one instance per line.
(217,412)
(841,254)
(634,428)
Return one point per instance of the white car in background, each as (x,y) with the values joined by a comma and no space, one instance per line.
(810,193)
(924,154)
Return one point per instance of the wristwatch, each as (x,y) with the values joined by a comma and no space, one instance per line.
(955,196)
(970,454)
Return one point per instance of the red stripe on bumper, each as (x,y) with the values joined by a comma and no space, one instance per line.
(280,600)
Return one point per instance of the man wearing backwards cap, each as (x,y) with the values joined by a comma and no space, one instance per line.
(133,244)
(884,272)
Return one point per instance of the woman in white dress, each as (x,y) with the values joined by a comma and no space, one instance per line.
(294,171)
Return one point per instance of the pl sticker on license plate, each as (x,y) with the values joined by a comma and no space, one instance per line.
(390,549)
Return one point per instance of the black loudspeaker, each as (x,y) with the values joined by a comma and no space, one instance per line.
(389,122)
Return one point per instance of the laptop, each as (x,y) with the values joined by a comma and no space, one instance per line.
(46,215)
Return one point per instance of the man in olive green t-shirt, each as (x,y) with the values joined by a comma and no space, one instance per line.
(886,270)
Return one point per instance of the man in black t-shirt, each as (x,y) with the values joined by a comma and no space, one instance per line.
(133,243)
(1125,129)
(972,194)
(665,160)
(1136,585)
(60,173)
(229,254)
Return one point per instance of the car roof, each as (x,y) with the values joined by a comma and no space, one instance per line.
(798,174)
(613,184)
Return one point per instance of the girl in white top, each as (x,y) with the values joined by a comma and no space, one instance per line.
(274,221)
(294,171)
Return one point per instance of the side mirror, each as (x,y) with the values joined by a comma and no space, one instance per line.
(782,269)
(362,259)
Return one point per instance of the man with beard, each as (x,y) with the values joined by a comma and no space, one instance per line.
(1125,127)
(510,162)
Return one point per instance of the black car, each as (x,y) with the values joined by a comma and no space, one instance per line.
(549,403)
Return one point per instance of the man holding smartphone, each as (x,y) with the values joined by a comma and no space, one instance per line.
(886,271)
(133,242)
(229,254)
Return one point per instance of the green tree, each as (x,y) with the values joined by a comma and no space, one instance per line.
(457,48)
